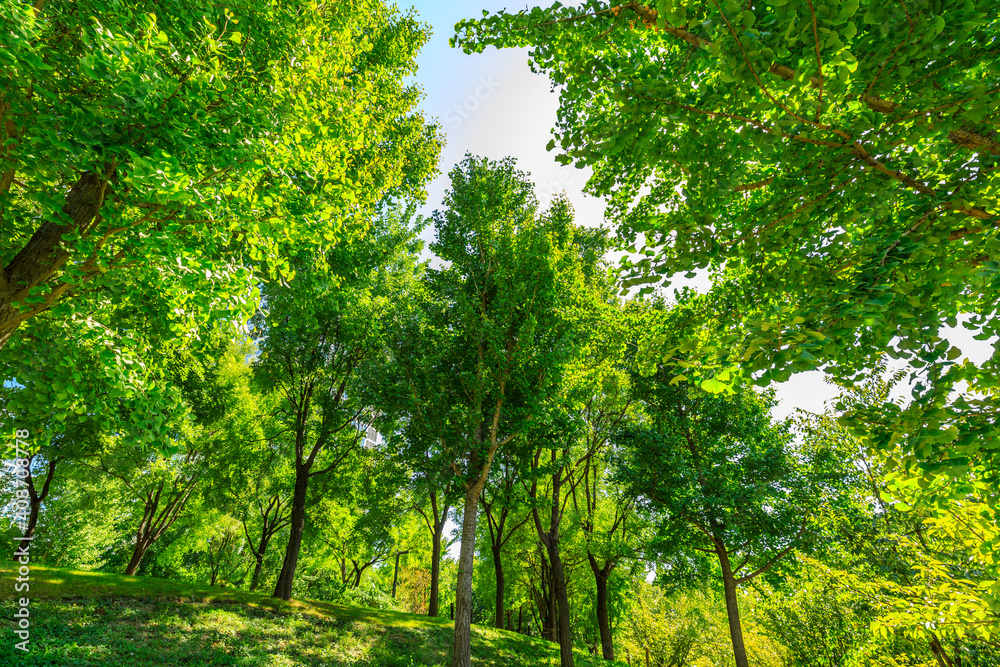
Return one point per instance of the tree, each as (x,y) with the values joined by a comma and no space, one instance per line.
(553,464)
(602,401)
(501,505)
(166,136)
(315,340)
(909,552)
(501,308)
(159,160)
(839,157)
(440,504)
(722,479)
(160,487)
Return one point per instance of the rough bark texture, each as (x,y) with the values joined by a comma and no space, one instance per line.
(732,608)
(41,257)
(463,594)
(283,588)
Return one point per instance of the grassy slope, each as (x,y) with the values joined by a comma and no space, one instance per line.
(89,618)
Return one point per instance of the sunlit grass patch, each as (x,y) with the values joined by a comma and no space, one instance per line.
(88,618)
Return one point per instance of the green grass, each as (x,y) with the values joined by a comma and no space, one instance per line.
(90,618)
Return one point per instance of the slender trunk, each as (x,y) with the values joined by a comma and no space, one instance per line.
(433,605)
(562,601)
(942,657)
(258,568)
(156,521)
(35,499)
(498,575)
(283,589)
(603,623)
(520,618)
(463,594)
(732,608)
(265,538)
(550,539)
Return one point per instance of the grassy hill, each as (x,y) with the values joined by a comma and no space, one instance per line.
(89,618)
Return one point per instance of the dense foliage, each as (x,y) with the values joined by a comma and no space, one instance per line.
(232,364)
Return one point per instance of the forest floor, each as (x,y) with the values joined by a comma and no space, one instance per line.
(92,618)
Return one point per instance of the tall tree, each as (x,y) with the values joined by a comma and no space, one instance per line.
(435,517)
(315,340)
(501,308)
(553,465)
(723,480)
(161,138)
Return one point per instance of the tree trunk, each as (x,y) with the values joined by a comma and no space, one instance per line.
(36,498)
(433,604)
(732,608)
(258,568)
(463,594)
(942,657)
(498,575)
(550,540)
(283,589)
(41,256)
(138,553)
(603,623)
(562,601)
(156,521)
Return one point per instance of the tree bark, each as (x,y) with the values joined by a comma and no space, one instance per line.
(562,600)
(463,595)
(258,568)
(138,553)
(603,622)
(732,607)
(41,256)
(433,606)
(283,588)
(269,527)
(550,540)
(940,654)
